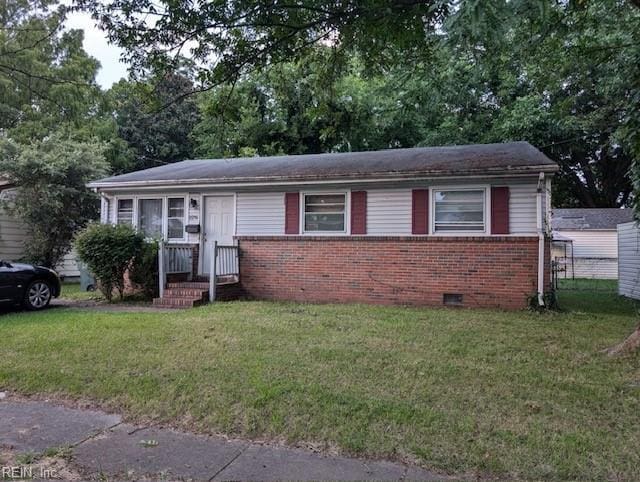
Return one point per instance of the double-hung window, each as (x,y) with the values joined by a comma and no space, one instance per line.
(150,217)
(125,211)
(155,217)
(459,210)
(175,218)
(325,213)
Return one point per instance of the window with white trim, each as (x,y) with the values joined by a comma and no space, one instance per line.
(325,213)
(175,218)
(459,210)
(150,217)
(125,211)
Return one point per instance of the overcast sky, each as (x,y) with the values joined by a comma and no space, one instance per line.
(97,45)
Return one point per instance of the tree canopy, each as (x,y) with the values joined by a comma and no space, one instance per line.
(154,135)
(228,39)
(52,198)
(318,76)
(46,78)
(261,78)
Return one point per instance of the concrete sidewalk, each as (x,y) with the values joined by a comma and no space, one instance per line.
(101,445)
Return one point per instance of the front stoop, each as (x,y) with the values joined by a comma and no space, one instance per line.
(188,294)
(184,295)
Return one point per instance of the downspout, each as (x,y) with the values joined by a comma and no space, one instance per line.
(540,228)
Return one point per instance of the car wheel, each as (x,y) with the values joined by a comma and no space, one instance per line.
(38,295)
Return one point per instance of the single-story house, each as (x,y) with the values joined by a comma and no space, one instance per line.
(585,241)
(14,233)
(458,225)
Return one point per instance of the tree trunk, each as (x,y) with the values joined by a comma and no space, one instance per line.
(629,345)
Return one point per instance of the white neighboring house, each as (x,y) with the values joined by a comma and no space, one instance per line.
(13,233)
(585,241)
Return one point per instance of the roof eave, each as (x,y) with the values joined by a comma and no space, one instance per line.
(369,177)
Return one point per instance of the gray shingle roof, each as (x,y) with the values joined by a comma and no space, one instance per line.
(589,218)
(512,157)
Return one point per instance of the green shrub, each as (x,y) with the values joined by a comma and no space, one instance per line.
(144,270)
(108,251)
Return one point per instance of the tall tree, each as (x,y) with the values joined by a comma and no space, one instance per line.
(51,122)
(302,107)
(155,119)
(567,91)
(52,198)
(46,78)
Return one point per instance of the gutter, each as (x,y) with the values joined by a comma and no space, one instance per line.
(540,229)
(324,179)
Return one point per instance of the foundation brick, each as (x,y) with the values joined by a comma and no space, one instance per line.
(491,272)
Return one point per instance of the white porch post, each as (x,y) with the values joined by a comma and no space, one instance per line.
(161,273)
(212,273)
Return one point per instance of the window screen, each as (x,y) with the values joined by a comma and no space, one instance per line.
(324,212)
(459,210)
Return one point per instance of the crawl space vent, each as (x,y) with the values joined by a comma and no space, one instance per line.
(452,299)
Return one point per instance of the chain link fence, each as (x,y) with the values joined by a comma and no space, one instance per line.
(591,274)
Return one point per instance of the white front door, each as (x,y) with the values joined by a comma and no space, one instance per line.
(218,226)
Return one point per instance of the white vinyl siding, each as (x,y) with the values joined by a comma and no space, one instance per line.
(260,214)
(594,268)
(111,211)
(593,244)
(389,212)
(388,209)
(522,208)
(13,234)
(629,260)
(595,254)
(12,237)
(68,267)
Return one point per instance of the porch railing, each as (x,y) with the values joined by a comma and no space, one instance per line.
(173,258)
(176,258)
(224,262)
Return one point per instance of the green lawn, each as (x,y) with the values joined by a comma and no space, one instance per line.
(517,395)
(594,296)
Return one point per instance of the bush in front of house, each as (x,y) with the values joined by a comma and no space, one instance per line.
(144,270)
(109,251)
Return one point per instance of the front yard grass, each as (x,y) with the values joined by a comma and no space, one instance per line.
(517,395)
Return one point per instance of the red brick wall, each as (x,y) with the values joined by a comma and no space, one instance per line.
(496,271)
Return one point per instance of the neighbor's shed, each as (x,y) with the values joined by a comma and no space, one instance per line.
(629,260)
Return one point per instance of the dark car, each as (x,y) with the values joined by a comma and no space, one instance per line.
(27,285)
